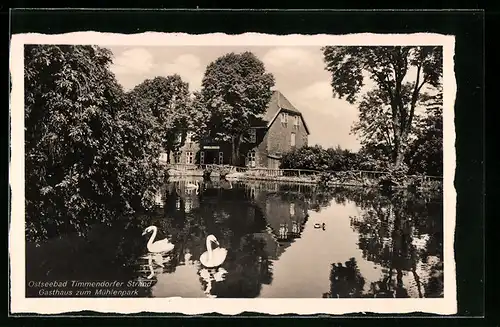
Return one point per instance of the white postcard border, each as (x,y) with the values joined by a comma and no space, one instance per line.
(21,304)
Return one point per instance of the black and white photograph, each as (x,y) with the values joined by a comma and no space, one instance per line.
(201,169)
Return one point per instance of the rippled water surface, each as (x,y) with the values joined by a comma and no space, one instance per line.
(283,241)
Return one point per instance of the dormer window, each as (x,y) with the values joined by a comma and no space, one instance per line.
(284,119)
(253,135)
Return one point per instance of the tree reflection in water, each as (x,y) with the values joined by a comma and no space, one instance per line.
(345,280)
(256,223)
(402,232)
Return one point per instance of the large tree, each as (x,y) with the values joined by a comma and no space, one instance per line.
(388,67)
(425,153)
(235,90)
(167,99)
(88,156)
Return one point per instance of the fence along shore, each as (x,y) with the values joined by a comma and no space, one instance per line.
(309,176)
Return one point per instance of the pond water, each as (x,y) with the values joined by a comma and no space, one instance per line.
(282,241)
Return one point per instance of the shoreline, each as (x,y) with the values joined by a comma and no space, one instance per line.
(286,179)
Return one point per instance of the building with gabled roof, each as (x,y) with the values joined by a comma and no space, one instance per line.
(281,128)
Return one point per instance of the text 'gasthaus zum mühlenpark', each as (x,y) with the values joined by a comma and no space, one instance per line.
(75,288)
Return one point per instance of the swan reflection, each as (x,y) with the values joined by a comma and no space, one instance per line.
(210,275)
(155,263)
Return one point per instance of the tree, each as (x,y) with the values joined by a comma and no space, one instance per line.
(399,232)
(235,90)
(307,157)
(425,154)
(88,157)
(388,67)
(167,100)
(317,158)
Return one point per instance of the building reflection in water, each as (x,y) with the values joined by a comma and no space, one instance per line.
(255,222)
(400,235)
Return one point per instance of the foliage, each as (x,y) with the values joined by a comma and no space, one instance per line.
(387,112)
(235,90)
(425,155)
(88,156)
(166,100)
(200,117)
(317,158)
(397,232)
(346,280)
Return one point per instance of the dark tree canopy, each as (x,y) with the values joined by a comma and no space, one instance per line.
(388,111)
(235,90)
(425,153)
(317,158)
(85,150)
(167,101)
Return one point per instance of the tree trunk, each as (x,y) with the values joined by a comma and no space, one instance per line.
(399,157)
(235,149)
(398,149)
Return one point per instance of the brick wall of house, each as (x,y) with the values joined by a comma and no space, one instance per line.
(192,147)
(279,135)
(273,141)
(260,148)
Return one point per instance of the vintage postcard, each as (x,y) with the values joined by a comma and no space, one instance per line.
(176,173)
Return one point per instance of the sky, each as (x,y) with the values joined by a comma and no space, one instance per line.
(299,74)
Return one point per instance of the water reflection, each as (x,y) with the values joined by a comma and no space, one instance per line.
(278,245)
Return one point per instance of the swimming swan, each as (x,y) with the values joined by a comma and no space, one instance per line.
(213,258)
(158,246)
(317,225)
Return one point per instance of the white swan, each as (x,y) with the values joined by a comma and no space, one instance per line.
(158,246)
(213,258)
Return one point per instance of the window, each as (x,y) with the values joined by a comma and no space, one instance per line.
(252,192)
(296,122)
(253,135)
(284,118)
(292,209)
(189,157)
(292,139)
(221,158)
(178,138)
(305,140)
(251,158)
(163,157)
(189,137)
(202,157)
(188,205)
(177,157)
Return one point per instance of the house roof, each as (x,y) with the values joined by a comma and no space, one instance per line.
(277,104)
